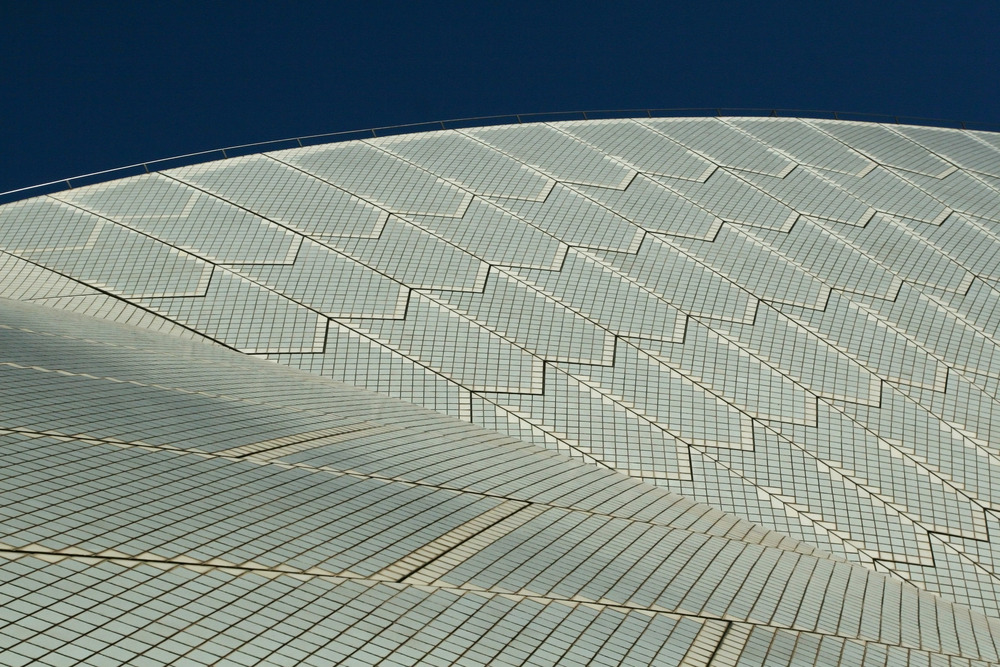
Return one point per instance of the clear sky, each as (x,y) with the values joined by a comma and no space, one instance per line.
(89,86)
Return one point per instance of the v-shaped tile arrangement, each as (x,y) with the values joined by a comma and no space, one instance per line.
(794,321)
(168,502)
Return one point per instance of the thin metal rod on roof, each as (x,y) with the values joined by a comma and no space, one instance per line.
(200,156)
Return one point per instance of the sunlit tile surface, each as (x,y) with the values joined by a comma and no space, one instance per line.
(794,324)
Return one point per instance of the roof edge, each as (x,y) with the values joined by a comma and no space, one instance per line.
(474,121)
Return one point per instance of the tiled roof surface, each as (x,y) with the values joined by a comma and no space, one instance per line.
(794,322)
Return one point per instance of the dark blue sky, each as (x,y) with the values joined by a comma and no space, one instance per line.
(89,86)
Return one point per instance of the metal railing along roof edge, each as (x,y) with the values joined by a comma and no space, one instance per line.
(198,157)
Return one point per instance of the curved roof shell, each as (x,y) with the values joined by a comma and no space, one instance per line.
(791,321)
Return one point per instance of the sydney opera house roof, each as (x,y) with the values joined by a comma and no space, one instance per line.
(680,391)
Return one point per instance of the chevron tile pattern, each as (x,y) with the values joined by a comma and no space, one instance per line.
(793,321)
(168,502)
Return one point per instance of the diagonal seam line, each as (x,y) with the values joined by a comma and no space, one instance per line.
(491,526)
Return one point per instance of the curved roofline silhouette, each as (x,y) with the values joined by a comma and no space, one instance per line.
(472,121)
(665,390)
